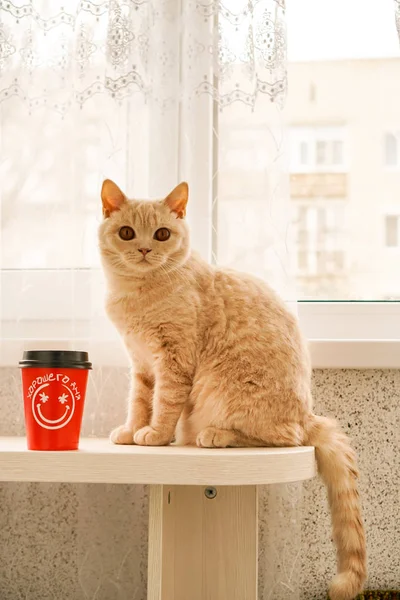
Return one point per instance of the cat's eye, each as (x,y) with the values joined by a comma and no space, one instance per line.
(126,233)
(162,234)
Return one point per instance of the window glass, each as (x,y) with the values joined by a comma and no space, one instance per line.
(343,106)
(391,150)
(303,153)
(337,152)
(392,231)
(322,148)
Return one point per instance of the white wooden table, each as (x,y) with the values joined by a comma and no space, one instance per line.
(203,528)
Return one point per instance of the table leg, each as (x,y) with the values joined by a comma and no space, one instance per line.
(201,546)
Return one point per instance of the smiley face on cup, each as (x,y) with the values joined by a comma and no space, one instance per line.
(40,401)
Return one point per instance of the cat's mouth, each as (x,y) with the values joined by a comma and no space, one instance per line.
(144,260)
(140,263)
(143,263)
(132,260)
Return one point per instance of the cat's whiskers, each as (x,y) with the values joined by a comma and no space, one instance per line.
(165,272)
(178,269)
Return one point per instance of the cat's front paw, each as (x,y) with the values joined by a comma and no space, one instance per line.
(147,436)
(122,435)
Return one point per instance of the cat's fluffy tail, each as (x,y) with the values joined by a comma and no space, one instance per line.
(337,466)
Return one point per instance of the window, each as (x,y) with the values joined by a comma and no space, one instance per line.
(337,152)
(392,150)
(338,125)
(321,153)
(317,148)
(392,231)
(303,146)
(320,245)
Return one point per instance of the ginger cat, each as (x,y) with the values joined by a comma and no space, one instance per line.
(217,358)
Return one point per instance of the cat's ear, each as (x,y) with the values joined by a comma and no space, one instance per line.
(111,197)
(177,200)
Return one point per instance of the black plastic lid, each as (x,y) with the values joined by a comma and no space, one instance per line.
(66,359)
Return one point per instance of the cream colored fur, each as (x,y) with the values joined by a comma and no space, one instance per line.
(218,360)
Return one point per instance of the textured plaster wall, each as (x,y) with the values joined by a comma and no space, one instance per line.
(89,542)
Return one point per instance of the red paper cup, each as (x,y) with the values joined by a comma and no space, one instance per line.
(54,387)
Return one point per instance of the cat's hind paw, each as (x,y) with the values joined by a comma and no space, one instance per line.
(212,437)
(147,436)
(122,435)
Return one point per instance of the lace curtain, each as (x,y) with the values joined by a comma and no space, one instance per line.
(147,92)
(62,54)
(397,8)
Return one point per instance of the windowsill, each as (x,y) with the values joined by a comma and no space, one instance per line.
(355,354)
(325,353)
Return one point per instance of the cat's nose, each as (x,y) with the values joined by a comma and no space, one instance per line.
(144,251)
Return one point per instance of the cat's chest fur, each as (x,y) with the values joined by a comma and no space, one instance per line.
(143,321)
(130,313)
